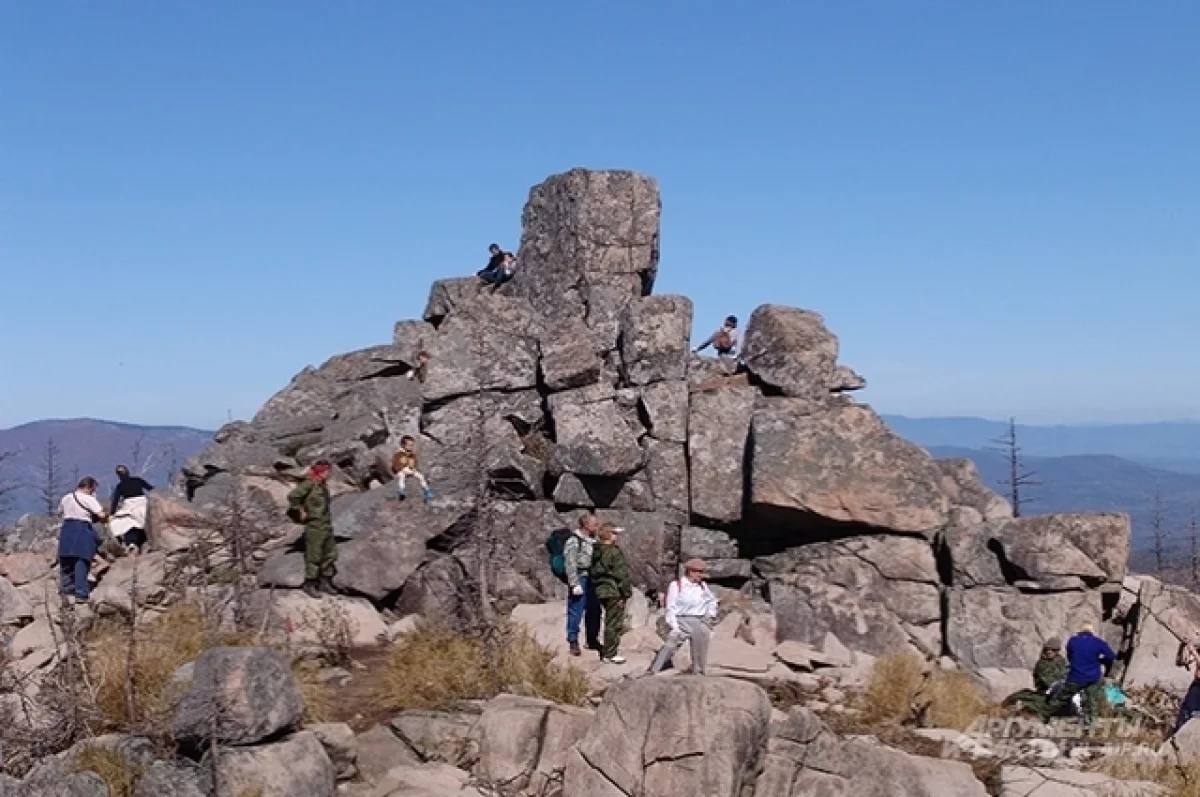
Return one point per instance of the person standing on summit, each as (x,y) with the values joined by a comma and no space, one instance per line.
(724,340)
(309,504)
(582,602)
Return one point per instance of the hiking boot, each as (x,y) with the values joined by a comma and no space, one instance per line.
(326,585)
(618,659)
(575,651)
(400,496)
(310,588)
(593,645)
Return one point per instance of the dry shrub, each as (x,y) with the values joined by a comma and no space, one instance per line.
(162,646)
(953,699)
(318,695)
(335,631)
(891,694)
(433,666)
(111,766)
(1178,781)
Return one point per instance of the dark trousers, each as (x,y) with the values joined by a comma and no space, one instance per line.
(73,576)
(1189,707)
(1062,698)
(585,608)
(614,626)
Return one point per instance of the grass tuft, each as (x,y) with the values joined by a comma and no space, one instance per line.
(111,766)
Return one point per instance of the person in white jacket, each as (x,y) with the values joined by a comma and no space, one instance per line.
(691,607)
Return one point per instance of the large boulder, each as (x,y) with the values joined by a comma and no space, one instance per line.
(238,696)
(1163,616)
(593,439)
(15,608)
(1059,782)
(570,358)
(961,482)
(292,766)
(169,779)
(876,594)
(523,740)
(490,343)
(589,245)
(806,757)
(791,350)
(665,405)
(718,428)
(841,464)
(655,331)
(1002,627)
(661,737)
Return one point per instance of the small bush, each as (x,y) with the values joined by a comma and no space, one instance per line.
(434,666)
(891,694)
(111,766)
(335,630)
(953,700)
(162,646)
(318,695)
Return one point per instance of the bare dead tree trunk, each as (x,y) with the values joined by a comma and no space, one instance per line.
(1194,538)
(1158,531)
(51,488)
(131,651)
(7,485)
(1018,475)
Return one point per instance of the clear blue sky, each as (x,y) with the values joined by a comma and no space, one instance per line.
(995,205)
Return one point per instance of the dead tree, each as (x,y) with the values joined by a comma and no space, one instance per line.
(1158,534)
(1019,477)
(50,489)
(7,485)
(1194,539)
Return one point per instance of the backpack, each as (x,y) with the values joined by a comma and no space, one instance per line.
(723,340)
(556,545)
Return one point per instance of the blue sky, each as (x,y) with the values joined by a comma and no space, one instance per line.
(995,205)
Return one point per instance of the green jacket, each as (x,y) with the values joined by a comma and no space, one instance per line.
(1048,671)
(610,572)
(314,497)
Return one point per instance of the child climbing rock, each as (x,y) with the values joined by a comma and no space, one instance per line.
(404,464)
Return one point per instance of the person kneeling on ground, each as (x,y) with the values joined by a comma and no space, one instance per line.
(1087,655)
(309,504)
(610,578)
(691,608)
(404,464)
(77,540)
(724,340)
(1049,672)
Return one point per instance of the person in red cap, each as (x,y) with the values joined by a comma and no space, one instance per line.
(309,504)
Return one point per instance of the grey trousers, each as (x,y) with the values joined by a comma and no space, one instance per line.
(691,629)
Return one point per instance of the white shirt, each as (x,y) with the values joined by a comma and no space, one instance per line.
(686,598)
(71,509)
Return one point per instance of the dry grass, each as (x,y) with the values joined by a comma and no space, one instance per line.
(163,645)
(1179,781)
(953,699)
(434,666)
(319,700)
(891,694)
(111,766)
(902,689)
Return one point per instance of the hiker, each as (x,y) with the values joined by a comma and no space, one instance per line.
(500,267)
(582,603)
(128,510)
(309,504)
(610,579)
(404,464)
(1087,655)
(1190,707)
(418,373)
(1048,674)
(78,541)
(724,340)
(691,608)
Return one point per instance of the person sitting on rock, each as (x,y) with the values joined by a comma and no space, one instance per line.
(1049,672)
(582,604)
(1190,707)
(1087,656)
(404,464)
(128,509)
(724,340)
(609,575)
(500,267)
(691,608)
(78,541)
(310,504)
(418,371)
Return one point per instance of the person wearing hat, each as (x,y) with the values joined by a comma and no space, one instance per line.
(1049,672)
(1087,656)
(1187,658)
(309,504)
(691,606)
(610,578)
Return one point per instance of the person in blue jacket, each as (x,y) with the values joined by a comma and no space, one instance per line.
(1087,656)
(78,541)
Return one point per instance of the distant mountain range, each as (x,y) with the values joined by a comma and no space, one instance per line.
(1118,468)
(87,447)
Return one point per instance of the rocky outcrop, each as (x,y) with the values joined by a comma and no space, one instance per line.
(297,764)
(664,737)
(238,696)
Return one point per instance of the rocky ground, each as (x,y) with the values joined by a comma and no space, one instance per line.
(833,543)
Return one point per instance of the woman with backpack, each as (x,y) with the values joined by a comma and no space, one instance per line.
(610,578)
(724,340)
(77,540)
(691,608)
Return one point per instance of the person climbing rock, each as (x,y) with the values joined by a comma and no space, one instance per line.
(724,340)
(582,603)
(418,371)
(404,465)
(1087,656)
(78,541)
(691,607)
(310,504)
(500,267)
(610,579)
(128,510)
